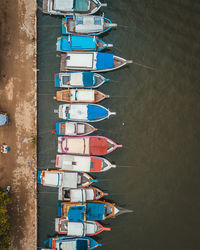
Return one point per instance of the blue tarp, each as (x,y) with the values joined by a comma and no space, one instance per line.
(58,124)
(88,79)
(63,44)
(57,80)
(104,60)
(76,213)
(3,119)
(83,42)
(96,112)
(95,211)
(81,5)
(39,176)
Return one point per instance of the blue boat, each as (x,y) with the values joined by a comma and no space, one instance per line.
(80,43)
(91,25)
(92,210)
(3,119)
(83,112)
(91,61)
(83,80)
(71,243)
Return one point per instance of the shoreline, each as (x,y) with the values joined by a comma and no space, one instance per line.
(18,168)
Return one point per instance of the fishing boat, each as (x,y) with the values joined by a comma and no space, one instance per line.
(3,118)
(86,145)
(78,229)
(83,112)
(73,128)
(79,80)
(70,243)
(90,25)
(91,61)
(80,43)
(93,210)
(80,194)
(61,178)
(83,163)
(80,96)
(69,7)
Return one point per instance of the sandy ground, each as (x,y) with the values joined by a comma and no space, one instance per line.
(18,98)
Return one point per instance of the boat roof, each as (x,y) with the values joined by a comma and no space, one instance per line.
(63,5)
(78,195)
(96,112)
(80,60)
(95,211)
(104,61)
(72,244)
(89,23)
(78,42)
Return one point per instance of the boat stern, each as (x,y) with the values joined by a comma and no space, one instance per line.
(39,176)
(57,80)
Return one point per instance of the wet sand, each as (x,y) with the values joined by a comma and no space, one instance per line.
(18,90)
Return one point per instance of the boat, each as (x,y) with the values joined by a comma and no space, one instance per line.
(86,145)
(71,243)
(80,96)
(83,112)
(61,178)
(83,163)
(89,25)
(91,61)
(78,229)
(79,80)
(93,210)
(80,43)
(3,118)
(80,194)
(69,7)
(73,128)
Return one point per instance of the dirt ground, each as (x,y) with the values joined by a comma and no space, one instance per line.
(18,89)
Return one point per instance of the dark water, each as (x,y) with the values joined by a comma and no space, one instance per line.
(158,122)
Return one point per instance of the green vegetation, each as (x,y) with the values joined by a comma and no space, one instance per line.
(4,220)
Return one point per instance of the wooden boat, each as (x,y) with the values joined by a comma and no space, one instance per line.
(62,178)
(93,210)
(80,95)
(69,7)
(71,243)
(83,163)
(80,43)
(80,194)
(90,25)
(78,229)
(83,112)
(86,145)
(3,118)
(91,61)
(79,80)
(73,128)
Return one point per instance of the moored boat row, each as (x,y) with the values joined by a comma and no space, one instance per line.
(80,208)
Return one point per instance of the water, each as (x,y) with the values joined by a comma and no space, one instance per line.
(157,121)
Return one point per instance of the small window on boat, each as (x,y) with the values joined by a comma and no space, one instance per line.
(97,20)
(79,20)
(66,80)
(73,163)
(92,165)
(66,194)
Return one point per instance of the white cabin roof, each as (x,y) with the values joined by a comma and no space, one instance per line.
(63,5)
(80,60)
(88,24)
(70,180)
(76,79)
(78,112)
(51,179)
(66,245)
(77,195)
(75,228)
(82,95)
(77,145)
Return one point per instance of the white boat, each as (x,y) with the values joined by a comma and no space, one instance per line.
(91,61)
(80,194)
(83,112)
(83,163)
(69,7)
(75,229)
(59,179)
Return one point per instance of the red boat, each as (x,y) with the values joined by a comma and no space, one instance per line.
(86,145)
